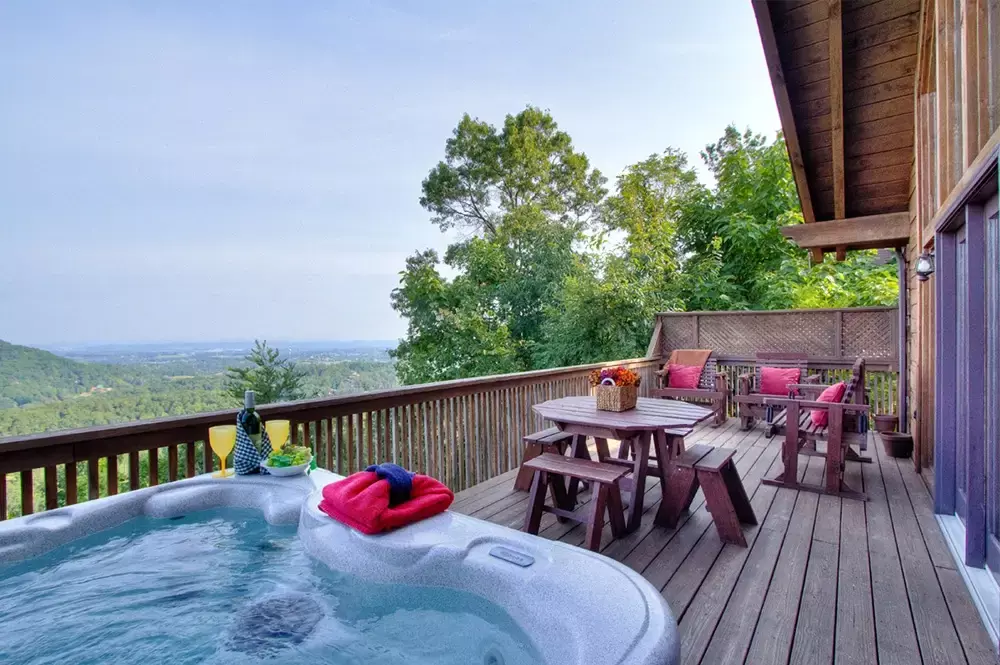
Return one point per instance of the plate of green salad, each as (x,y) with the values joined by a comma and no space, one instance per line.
(289,461)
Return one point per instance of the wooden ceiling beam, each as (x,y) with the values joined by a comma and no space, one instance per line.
(837,107)
(871,232)
(775,71)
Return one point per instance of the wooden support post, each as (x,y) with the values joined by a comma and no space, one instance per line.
(837,111)
(766,29)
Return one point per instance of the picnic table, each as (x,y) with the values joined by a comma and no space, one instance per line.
(636,429)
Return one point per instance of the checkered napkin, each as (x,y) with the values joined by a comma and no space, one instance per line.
(246,459)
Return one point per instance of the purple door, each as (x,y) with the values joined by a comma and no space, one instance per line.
(962,376)
(993,387)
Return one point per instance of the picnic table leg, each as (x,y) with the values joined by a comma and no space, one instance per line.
(603,452)
(640,449)
(669,504)
(578,450)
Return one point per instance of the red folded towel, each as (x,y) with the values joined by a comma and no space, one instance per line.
(361,501)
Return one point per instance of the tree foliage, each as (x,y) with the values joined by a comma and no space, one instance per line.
(271,377)
(554,270)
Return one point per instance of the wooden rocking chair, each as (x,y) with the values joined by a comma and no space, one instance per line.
(855,421)
(749,397)
(712,387)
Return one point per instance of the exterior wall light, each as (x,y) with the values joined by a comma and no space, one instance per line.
(925,266)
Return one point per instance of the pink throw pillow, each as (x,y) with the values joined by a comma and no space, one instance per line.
(683,376)
(835,393)
(775,380)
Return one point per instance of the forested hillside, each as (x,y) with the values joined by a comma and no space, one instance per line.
(43,392)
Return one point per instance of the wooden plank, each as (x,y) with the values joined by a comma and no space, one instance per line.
(895,636)
(172,463)
(903,47)
(775,598)
(836,69)
(71,484)
(879,12)
(190,460)
(938,640)
(881,33)
(764,26)
(944,63)
(153,455)
(793,17)
(112,473)
(855,636)
(976,643)
(815,630)
(51,488)
(3,496)
(133,470)
(27,492)
(899,87)
(881,73)
(889,230)
(93,481)
(701,616)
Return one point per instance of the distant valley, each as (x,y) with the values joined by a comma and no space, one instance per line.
(69,386)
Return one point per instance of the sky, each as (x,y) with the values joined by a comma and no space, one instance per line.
(225,170)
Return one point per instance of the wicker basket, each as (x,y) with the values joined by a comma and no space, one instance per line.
(616,398)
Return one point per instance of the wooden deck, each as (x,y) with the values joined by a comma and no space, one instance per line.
(824,579)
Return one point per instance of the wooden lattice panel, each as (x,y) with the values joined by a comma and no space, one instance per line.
(825,333)
(869,335)
(746,335)
(679,333)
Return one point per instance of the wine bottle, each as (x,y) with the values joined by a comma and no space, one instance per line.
(251,419)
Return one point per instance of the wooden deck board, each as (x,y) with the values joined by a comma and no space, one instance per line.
(824,580)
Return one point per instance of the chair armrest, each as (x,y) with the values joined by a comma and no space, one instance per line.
(745,384)
(813,378)
(808,387)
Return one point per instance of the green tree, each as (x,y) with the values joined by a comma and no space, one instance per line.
(271,377)
(523,198)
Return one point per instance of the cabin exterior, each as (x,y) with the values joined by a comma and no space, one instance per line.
(891,113)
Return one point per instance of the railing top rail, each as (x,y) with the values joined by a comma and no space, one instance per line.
(338,405)
(746,312)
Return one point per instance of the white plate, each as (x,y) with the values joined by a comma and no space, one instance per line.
(282,471)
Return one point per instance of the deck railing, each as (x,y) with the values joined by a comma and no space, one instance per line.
(463,432)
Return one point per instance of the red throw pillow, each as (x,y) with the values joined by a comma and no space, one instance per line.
(835,393)
(775,380)
(683,376)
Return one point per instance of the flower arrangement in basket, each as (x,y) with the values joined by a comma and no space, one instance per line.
(617,388)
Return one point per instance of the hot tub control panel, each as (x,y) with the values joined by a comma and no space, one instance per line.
(512,556)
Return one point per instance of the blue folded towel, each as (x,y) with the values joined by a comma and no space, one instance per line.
(400,481)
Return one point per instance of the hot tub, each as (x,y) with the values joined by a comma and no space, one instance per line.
(475,591)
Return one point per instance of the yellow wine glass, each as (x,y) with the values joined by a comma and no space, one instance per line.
(222,438)
(277,432)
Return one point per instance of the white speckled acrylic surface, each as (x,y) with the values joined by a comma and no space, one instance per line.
(577,606)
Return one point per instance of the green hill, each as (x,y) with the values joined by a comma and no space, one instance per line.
(30,376)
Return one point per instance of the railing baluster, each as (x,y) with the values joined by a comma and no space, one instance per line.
(134,478)
(27,493)
(112,474)
(93,479)
(172,462)
(350,449)
(153,457)
(51,488)
(189,461)
(3,496)
(69,469)
(207,454)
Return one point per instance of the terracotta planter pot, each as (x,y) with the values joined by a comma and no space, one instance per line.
(897,444)
(885,423)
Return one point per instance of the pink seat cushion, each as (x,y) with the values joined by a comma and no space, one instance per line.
(775,380)
(835,393)
(683,376)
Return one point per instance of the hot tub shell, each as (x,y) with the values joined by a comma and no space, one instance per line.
(577,606)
